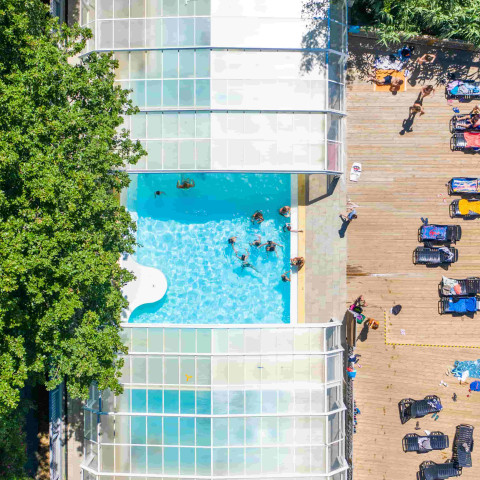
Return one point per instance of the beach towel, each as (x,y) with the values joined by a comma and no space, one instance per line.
(434,232)
(468,207)
(472,139)
(465,185)
(462,305)
(460,88)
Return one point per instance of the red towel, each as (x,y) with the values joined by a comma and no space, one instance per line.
(472,139)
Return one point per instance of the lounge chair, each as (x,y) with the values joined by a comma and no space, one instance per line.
(458,305)
(458,123)
(426,443)
(463,445)
(435,255)
(465,141)
(464,186)
(437,471)
(441,234)
(462,90)
(467,208)
(409,408)
(450,287)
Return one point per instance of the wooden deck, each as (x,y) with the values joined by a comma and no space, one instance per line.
(403,179)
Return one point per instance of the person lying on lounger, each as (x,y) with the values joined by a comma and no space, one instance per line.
(395,83)
(472,121)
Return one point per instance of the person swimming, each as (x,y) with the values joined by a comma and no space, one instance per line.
(286,277)
(285,211)
(232,240)
(158,193)
(270,246)
(243,257)
(248,265)
(257,217)
(288,228)
(257,242)
(186,184)
(298,262)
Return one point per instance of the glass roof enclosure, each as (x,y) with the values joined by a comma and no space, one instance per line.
(222,402)
(237,85)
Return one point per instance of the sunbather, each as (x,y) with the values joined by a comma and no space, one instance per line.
(427,58)
(395,83)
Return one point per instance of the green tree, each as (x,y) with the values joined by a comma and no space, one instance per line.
(395,21)
(62,229)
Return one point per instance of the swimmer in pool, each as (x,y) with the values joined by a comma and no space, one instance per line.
(271,246)
(286,276)
(158,193)
(288,228)
(186,184)
(285,211)
(298,262)
(257,217)
(248,265)
(257,242)
(243,257)
(232,241)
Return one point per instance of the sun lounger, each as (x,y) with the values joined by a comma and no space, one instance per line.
(434,255)
(463,445)
(459,124)
(464,186)
(465,208)
(440,234)
(438,471)
(465,141)
(409,408)
(458,305)
(450,287)
(462,90)
(426,443)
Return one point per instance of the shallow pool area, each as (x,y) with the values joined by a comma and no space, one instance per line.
(184,233)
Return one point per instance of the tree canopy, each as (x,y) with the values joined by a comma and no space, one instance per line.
(395,21)
(62,228)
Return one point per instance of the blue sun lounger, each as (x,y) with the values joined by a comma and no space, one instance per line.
(458,305)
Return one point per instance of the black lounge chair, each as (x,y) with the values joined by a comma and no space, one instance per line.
(454,210)
(438,471)
(439,234)
(465,288)
(465,186)
(463,445)
(435,255)
(459,124)
(459,141)
(458,305)
(462,90)
(422,444)
(410,408)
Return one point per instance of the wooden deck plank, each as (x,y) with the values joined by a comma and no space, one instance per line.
(403,179)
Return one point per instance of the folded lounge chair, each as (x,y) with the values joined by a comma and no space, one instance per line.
(458,305)
(437,471)
(422,444)
(463,445)
(465,141)
(439,233)
(462,90)
(458,123)
(450,287)
(409,408)
(435,255)
(464,186)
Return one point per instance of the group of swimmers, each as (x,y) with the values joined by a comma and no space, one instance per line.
(270,245)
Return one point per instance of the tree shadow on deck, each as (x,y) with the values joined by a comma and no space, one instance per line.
(462,63)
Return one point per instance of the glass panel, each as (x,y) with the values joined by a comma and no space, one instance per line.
(137,8)
(172,338)
(220,341)
(335,427)
(302,460)
(155,335)
(333,368)
(137,69)
(318,400)
(139,401)
(187,130)
(155,370)
(219,370)
(154,93)
(170,32)
(155,401)
(185,31)
(187,431)
(155,460)
(252,401)
(120,33)
(204,402)
(335,96)
(170,8)
(202,63)
(318,430)
(204,429)
(123,401)
(171,370)
(105,38)
(170,93)
(171,399)
(122,72)
(139,430)
(154,64)
(254,463)
(203,371)
(122,459)
(139,131)
(105,9)
(170,155)
(203,155)
(269,460)
(334,398)
(154,33)
(285,430)
(220,402)
(187,402)
(202,31)
(236,402)
(138,93)
(187,461)
(203,131)
(170,64)
(269,401)
(186,9)
(187,63)
(107,458)
(186,93)
(187,154)
(154,8)
(122,429)
(121,8)
(154,428)
(220,432)
(202,7)
(337,33)
(188,334)
(170,125)
(154,130)
(139,370)
(204,460)
(139,459)
(137,33)
(269,430)
(187,374)
(236,431)
(154,155)
(170,430)
(220,461)
(170,460)
(202,93)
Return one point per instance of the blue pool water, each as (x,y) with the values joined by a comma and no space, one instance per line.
(185,234)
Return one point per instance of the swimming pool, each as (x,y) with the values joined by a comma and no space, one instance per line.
(185,233)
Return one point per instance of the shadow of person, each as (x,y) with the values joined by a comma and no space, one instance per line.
(343,229)
(364,332)
(407,123)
